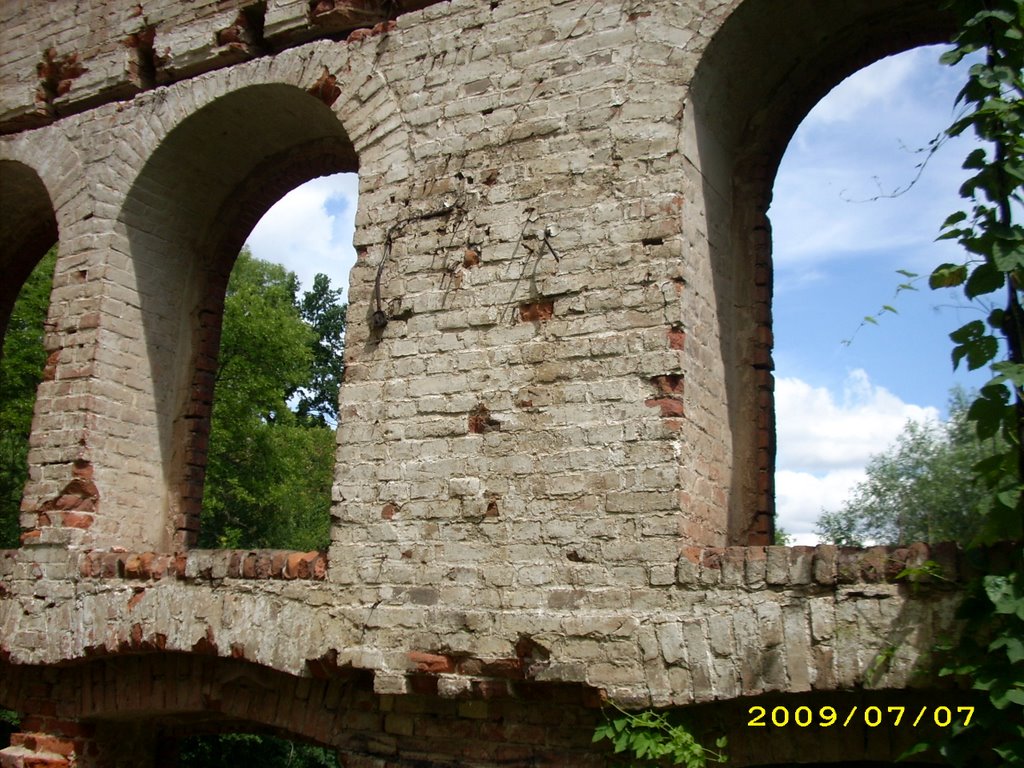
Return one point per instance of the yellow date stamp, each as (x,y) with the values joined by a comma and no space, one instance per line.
(872,717)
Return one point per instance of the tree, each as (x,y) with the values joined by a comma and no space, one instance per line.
(323,311)
(269,469)
(21,370)
(783,538)
(921,488)
(253,751)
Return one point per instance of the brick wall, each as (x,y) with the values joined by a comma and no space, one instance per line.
(553,454)
(583,346)
(722,622)
(131,711)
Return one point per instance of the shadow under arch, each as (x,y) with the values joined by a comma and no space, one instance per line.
(763,71)
(28,228)
(135,706)
(138,705)
(187,216)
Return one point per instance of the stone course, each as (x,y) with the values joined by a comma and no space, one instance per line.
(729,622)
(554,462)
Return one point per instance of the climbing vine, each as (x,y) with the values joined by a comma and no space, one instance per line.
(650,738)
(989,655)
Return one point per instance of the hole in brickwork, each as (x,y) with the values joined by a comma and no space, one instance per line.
(144,68)
(270,454)
(245,34)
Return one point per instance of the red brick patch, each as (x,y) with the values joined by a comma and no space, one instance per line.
(326,88)
(537,311)
(669,406)
(431,663)
(676,338)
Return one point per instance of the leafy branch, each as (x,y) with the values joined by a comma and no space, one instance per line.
(989,654)
(906,285)
(652,738)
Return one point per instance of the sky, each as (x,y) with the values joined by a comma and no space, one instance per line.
(837,246)
(839,237)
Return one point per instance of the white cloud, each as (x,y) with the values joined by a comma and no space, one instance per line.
(856,148)
(818,432)
(829,204)
(875,87)
(824,442)
(800,498)
(310,230)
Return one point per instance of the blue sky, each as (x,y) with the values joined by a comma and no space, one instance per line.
(836,254)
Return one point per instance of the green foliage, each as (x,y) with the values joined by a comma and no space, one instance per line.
(989,655)
(252,751)
(915,573)
(8,724)
(323,311)
(21,370)
(921,488)
(652,739)
(265,346)
(993,270)
(907,285)
(269,470)
(782,538)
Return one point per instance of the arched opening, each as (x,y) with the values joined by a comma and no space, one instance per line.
(760,75)
(270,455)
(860,194)
(137,707)
(187,216)
(28,231)
(28,228)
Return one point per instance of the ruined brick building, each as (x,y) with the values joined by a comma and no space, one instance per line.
(553,483)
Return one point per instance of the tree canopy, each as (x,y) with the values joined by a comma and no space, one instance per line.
(921,488)
(323,311)
(271,448)
(21,370)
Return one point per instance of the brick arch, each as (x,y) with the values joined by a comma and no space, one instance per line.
(215,175)
(128,709)
(28,227)
(132,710)
(47,199)
(255,132)
(42,183)
(761,73)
